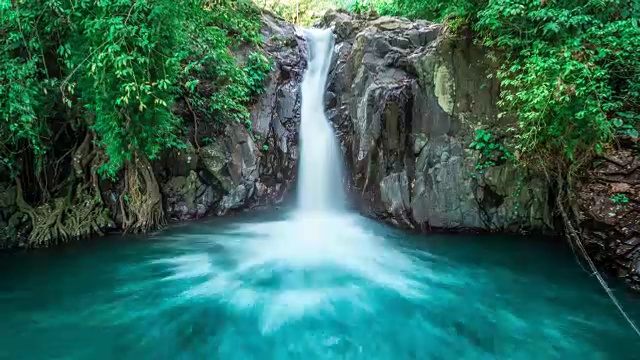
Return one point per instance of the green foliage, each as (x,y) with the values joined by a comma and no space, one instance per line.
(360,7)
(303,12)
(624,124)
(116,68)
(216,66)
(492,151)
(435,10)
(569,70)
(620,199)
(208,141)
(573,78)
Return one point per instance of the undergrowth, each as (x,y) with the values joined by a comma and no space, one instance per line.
(569,70)
(113,71)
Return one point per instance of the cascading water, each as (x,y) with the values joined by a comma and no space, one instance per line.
(320,185)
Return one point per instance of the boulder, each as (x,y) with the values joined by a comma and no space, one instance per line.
(188,197)
(394,192)
(178,162)
(213,161)
(242,168)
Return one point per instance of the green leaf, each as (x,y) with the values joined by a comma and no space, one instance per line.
(598,149)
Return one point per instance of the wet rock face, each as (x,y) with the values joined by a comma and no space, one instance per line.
(276,116)
(406,100)
(609,211)
(242,168)
(188,197)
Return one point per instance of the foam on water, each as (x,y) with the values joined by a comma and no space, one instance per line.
(302,266)
(288,286)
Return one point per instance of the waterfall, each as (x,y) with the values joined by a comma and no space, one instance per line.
(320,176)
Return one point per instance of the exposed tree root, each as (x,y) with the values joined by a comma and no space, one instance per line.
(623,173)
(77,213)
(80,214)
(142,205)
(88,215)
(614,161)
(83,156)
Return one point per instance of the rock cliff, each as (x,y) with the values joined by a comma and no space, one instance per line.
(243,167)
(407,100)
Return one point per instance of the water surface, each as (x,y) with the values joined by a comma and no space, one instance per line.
(278,286)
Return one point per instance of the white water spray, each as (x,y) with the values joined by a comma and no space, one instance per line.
(318,258)
(320,178)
